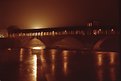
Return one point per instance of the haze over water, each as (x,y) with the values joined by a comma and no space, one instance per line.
(58,65)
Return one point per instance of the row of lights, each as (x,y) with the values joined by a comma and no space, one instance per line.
(2,36)
(77,32)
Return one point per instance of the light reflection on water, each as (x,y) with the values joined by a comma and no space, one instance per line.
(107,66)
(21,55)
(64,65)
(53,60)
(65,61)
(100,59)
(28,67)
(109,58)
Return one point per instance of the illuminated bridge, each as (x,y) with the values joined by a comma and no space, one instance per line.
(96,38)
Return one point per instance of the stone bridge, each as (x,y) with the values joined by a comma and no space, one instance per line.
(70,38)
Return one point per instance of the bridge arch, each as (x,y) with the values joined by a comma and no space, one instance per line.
(68,43)
(109,43)
(28,42)
(36,43)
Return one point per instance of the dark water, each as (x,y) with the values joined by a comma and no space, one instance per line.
(58,65)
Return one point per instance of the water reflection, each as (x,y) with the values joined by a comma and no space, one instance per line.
(34,67)
(45,69)
(100,73)
(109,58)
(99,59)
(21,54)
(65,61)
(107,66)
(113,73)
(28,66)
(53,53)
(113,56)
(107,74)
(60,65)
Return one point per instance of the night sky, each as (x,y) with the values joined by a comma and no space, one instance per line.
(51,13)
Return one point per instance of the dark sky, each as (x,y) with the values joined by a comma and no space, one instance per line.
(46,13)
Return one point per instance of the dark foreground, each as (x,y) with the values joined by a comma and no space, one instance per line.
(58,65)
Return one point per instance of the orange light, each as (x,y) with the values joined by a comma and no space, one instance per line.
(38,48)
(112,57)
(34,67)
(9,49)
(21,55)
(100,59)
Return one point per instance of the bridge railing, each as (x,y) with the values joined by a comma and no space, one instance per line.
(94,32)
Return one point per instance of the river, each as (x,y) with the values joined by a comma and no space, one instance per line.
(58,65)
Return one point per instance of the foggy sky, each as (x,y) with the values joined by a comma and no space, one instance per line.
(46,13)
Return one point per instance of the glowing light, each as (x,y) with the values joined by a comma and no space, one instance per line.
(42,58)
(65,67)
(30,69)
(65,53)
(34,67)
(2,36)
(94,32)
(9,49)
(53,53)
(36,44)
(21,55)
(99,29)
(65,61)
(53,57)
(112,30)
(112,57)
(53,68)
(38,48)
(37,27)
(100,59)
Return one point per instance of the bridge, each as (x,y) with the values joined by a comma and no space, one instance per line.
(81,37)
